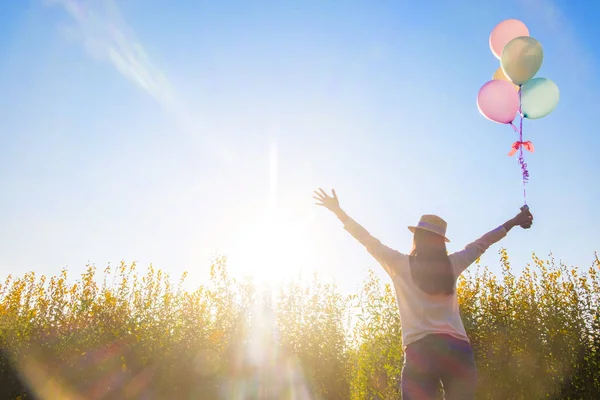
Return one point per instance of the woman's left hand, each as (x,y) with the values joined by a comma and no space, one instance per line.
(329,202)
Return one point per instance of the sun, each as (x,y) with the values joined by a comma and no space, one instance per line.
(277,243)
(274,247)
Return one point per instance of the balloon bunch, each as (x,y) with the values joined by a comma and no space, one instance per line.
(513,89)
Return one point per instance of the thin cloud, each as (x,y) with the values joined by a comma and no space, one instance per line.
(105,35)
(554,20)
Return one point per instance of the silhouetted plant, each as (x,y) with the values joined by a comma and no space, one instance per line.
(122,335)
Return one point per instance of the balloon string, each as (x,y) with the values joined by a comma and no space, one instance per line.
(522,162)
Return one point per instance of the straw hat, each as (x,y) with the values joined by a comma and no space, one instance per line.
(432,223)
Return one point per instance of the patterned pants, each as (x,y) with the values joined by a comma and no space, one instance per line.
(438,358)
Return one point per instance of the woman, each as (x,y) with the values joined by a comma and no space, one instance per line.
(436,345)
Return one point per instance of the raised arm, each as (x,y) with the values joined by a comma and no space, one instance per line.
(462,259)
(383,254)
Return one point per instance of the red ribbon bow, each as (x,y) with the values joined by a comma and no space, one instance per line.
(517,145)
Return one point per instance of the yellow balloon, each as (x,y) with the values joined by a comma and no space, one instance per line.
(521,59)
(499,75)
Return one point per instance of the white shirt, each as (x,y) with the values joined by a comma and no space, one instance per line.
(422,314)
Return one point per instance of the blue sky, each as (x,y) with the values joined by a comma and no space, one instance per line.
(140,130)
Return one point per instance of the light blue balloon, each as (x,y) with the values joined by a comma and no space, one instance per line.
(539,97)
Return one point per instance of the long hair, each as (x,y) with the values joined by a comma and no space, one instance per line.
(430,265)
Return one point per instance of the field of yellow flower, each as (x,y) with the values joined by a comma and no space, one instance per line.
(126,335)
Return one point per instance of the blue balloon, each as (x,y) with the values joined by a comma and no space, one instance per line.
(539,97)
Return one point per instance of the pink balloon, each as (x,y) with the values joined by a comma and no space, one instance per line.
(504,32)
(498,101)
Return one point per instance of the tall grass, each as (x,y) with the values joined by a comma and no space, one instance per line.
(125,335)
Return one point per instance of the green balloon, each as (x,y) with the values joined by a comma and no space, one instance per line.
(521,59)
(539,97)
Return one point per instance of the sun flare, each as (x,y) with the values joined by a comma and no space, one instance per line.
(277,243)
(274,247)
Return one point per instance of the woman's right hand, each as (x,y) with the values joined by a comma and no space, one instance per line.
(524,219)
(324,200)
